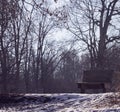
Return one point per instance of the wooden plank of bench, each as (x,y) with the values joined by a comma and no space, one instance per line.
(83,86)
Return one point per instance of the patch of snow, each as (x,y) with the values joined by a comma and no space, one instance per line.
(66,102)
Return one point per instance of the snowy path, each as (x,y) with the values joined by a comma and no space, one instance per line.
(107,102)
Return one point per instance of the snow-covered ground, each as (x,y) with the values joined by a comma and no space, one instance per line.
(66,102)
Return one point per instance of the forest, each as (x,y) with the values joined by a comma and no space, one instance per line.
(32,60)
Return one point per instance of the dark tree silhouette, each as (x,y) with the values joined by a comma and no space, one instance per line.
(96,24)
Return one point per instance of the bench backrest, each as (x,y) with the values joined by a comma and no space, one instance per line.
(104,76)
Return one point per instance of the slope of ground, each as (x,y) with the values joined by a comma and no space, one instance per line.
(107,102)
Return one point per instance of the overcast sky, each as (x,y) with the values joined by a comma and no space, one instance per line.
(59,3)
(61,34)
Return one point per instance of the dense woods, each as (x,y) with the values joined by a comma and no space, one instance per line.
(33,62)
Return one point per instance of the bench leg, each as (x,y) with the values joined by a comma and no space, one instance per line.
(104,89)
(82,90)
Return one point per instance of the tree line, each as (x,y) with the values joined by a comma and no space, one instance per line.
(31,62)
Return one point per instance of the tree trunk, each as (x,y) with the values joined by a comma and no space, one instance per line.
(17,79)
(4,82)
(3,65)
(101,53)
(26,76)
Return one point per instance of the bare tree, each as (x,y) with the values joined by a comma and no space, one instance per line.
(44,24)
(70,62)
(21,27)
(96,24)
(7,13)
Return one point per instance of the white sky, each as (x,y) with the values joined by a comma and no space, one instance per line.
(61,34)
(59,3)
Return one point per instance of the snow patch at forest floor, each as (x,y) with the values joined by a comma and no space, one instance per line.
(66,102)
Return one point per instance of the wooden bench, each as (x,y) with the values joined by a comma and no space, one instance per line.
(95,80)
